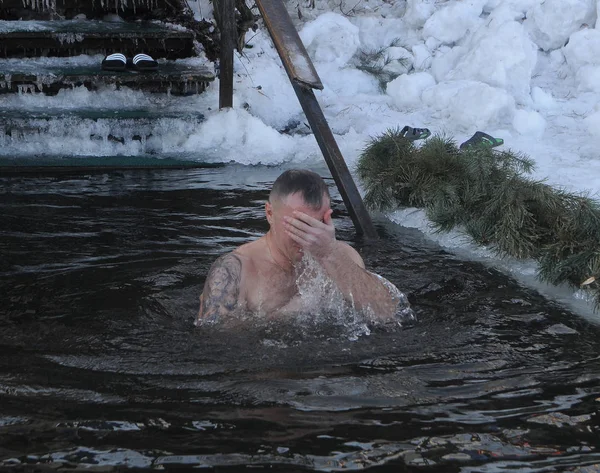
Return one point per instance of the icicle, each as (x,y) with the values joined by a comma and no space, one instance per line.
(23,89)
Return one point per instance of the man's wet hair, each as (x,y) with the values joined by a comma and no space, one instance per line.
(309,184)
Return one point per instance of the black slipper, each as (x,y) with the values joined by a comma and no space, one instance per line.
(482,140)
(114,62)
(414,134)
(143,62)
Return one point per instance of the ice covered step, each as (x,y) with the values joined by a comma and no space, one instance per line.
(75,37)
(94,132)
(68,164)
(43,9)
(50,75)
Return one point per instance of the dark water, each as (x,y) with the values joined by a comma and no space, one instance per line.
(100,364)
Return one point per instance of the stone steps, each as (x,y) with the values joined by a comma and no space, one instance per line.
(116,127)
(60,164)
(54,9)
(50,76)
(100,132)
(19,39)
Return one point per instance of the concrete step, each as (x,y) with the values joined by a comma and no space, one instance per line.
(54,9)
(49,76)
(94,132)
(62,38)
(58,164)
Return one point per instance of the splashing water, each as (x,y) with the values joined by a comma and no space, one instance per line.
(317,289)
(404,315)
(321,308)
(321,303)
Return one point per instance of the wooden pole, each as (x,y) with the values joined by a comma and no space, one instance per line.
(304,78)
(228,36)
(335,161)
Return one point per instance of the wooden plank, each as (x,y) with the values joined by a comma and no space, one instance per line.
(228,37)
(295,58)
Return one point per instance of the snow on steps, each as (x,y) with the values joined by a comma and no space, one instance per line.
(49,76)
(73,37)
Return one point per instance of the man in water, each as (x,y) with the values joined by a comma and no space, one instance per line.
(262,276)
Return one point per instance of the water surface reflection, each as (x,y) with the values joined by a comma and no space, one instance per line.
(100,277)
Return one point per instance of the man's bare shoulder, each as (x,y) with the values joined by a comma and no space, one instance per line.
(232,260)
(249,252)
(350,252)
(221,288)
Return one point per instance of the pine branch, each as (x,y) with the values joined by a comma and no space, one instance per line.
(488,195)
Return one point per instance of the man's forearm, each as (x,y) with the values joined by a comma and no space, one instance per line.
(360,287)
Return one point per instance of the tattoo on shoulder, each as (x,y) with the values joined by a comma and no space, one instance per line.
(221,289)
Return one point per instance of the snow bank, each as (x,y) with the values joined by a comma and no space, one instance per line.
(583,57)
(502,57)
(418,11)
(452,22)
(589,78)
(268,92)
(551,22)
(331,38)
(423,57)
(583,49)
(530,123)
(254,143)
(469,105)
(593,124)
(397,61)
(542,100)
(406,90)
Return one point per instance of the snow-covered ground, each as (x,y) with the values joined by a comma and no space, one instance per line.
(527,71)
